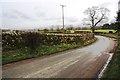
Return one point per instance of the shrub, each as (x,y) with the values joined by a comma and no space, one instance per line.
(32,40)
(110,32)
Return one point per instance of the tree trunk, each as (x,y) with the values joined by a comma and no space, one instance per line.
(93,30)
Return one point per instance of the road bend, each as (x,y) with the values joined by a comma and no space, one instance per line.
(84,62)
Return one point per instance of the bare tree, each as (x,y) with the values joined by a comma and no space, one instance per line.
(95,16)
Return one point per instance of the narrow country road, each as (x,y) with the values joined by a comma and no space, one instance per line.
(83,62)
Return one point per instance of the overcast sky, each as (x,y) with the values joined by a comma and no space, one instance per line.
(29,14)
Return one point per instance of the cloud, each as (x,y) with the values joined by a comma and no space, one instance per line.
(32,13)
(106,4)
(69,19)
(72,19)
(53,18)
(10,15)
(40,14)
(22,15)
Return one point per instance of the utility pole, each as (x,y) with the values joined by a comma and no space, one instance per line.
(63,16)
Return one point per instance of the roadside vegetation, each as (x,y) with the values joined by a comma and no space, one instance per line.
(113,68)
(25,45)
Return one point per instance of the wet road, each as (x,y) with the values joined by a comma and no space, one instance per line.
(83,62)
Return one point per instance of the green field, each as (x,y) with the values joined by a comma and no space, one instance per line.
(98,31)
(105,31)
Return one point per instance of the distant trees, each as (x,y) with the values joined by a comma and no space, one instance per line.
(58,29)
(46,30)
(95,15)
(118,16)
(118,21)
(70,28)
(106,26)
(109,26)
(115,25)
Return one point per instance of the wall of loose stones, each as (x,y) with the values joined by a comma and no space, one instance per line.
(35,39)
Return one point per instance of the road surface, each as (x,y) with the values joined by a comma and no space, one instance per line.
(84,62)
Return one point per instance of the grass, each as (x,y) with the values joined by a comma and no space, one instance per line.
(113,69)
(110,35)
(24,53)
(106,31)
(99,31)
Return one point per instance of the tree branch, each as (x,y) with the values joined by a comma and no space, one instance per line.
(99,20)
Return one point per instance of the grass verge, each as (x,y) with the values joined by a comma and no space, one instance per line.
(113,69)
(24,53)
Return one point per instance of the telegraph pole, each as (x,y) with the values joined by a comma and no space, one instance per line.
(63,16)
